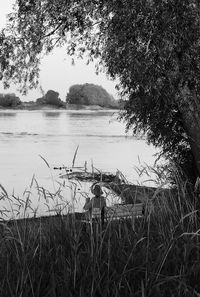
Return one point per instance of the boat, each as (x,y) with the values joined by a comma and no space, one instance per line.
(81,173)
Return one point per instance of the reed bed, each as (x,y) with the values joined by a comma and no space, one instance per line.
(157,255)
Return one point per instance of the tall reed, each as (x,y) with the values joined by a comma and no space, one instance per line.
(158,255)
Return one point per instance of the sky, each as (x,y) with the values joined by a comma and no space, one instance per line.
(57,72)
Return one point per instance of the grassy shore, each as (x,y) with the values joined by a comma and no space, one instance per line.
(159,255)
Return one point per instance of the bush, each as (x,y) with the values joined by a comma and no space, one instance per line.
(9,100)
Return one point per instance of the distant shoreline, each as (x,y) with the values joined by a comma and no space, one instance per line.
(35,106)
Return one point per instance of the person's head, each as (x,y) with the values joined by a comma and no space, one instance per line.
(96,190)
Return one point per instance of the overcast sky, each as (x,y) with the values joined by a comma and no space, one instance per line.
(57,72)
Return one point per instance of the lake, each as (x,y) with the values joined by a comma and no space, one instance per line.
(33,142)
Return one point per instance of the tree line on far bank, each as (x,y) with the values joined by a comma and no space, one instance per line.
(86,94)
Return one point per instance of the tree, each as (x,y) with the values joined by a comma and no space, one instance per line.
(90,94)
(152,46)
(52,98)
(75,95)
(9,100)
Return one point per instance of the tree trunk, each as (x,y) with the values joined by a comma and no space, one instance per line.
(189,106)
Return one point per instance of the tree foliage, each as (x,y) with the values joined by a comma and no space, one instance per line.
(35,27)
(90,94)
(51,98)
(9,100)
(152,46)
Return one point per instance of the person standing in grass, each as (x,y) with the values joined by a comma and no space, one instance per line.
(97,204)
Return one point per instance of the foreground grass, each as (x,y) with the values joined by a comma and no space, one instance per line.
(159,255)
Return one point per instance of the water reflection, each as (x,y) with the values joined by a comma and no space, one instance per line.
(51,114)
(7,114)
(91,114)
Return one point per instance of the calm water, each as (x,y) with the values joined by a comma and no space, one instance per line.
(55,135)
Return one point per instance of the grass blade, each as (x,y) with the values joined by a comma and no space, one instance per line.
(74,158)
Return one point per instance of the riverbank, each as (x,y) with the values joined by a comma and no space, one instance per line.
(157,256)
(35,106)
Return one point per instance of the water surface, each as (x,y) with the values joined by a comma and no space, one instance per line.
(55,135)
